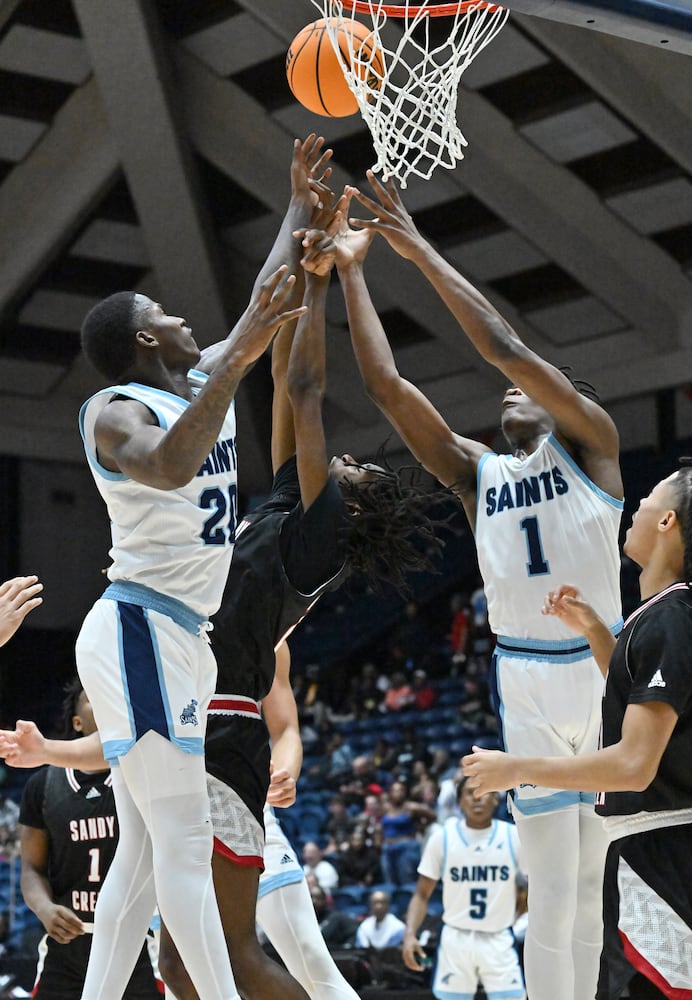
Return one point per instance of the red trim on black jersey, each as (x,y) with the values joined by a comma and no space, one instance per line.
(234,704)
(642,965)
(247,860)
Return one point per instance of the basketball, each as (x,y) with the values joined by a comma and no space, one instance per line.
(316,73)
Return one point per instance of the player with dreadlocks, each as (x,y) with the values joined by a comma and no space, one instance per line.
(642,773)
(550,509)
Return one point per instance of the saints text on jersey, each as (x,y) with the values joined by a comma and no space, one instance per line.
(526,492)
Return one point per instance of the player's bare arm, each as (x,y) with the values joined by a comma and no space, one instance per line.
(309,171)
(306,387)
(60,922)
(567,604)
(412,950)
(127,437)
(629,765)
(17,598)
(281,715)
(26,746)
(580,422)
(453,459)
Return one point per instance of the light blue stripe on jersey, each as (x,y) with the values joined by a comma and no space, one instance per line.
(545,803)
(613,501)
(446,995)
(268,885)
(145,597)
(564,650)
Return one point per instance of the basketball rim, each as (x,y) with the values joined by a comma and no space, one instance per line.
(433,9)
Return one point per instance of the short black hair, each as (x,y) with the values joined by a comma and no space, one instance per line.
(72,692)
(108,334)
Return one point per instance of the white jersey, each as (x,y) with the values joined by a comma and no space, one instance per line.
(478,869)
(175,542)
(541,522)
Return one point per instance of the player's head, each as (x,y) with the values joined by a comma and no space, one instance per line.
(523,419)
(663,523)
(78,716)
(390,531)
(477,812)
(126,327)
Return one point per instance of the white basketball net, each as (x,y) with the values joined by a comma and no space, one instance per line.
(410,107)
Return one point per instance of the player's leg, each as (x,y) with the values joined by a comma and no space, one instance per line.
(169,789)
(588,922)
(457,963)
(550,849)
(126,903)
(500,971)
(287,917)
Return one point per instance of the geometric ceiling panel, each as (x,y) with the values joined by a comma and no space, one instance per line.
(495,256)
(56,310)
(570,322)
(657,207)
(510,54)
(121,242)
(578,132)
(18,137)
(44,54)
(28,378)
(234,44)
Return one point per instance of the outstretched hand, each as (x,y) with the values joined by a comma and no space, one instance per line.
(567,604)
(489,771)
(17,598)
(391,218)
(24,746)
(309,168)
(264,315)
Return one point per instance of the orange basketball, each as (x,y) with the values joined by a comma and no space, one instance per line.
(316,73)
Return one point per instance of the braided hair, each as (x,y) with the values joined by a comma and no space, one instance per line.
(682,491)
(391,528)
(72,692)
(582,387)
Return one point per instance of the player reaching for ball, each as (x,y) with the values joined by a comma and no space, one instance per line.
(548,510)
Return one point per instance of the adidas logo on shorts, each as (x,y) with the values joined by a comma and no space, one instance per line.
(286,860)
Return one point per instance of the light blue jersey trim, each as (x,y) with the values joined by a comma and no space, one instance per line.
(545,803)
(145,597)
(112,749)
(565,650)
(613,501)
(446,995)
(501,994)
(277,881)
(588,798)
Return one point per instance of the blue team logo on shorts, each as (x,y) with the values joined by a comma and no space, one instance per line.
(188,716)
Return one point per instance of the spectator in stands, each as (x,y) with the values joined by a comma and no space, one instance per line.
(410,639)
(475,711)
(359,862)
(371,689)
(338,929)
(401,849)
(447,802)
(440,766)
(340,756)
(339,826)
(384,754)
(9,816)
(399,694)
(315,864)
(361,781)
(381,929)
(424,694)
(370,819)
(411,749)
(458,635)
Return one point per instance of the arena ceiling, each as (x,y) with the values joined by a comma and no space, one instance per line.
(146,145)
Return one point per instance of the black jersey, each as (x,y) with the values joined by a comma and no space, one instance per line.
(284,559)
(77,811)
(652,661)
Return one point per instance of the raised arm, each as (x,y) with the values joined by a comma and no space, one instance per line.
(450,457)
(582,423)
(308,169)
(281,715)
(128,439)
